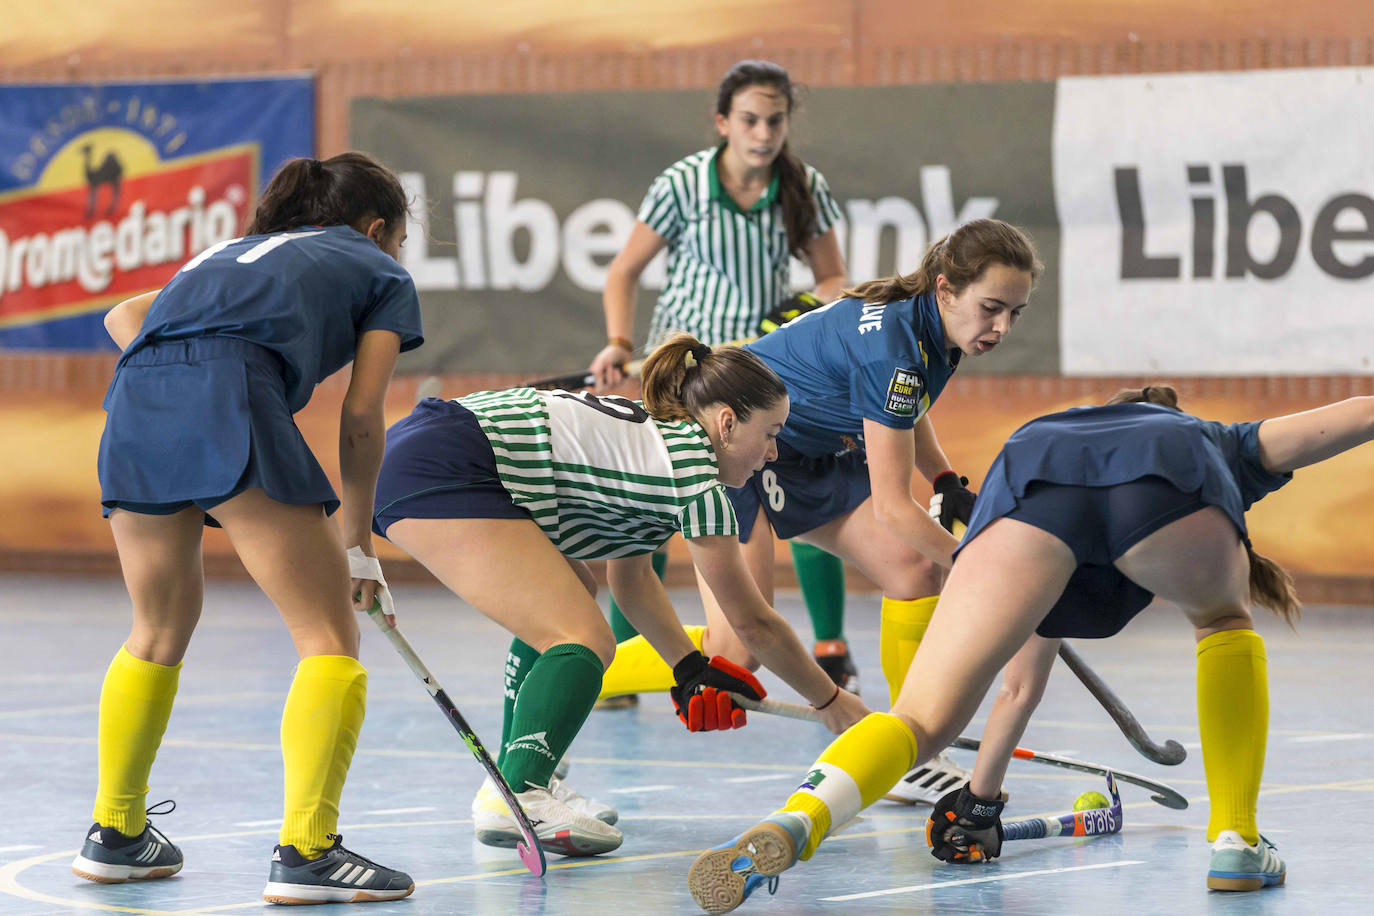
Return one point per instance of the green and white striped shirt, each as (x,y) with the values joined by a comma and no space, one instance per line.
(601,477)
(727,268)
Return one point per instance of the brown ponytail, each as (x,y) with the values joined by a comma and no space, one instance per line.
(683,377)
(961,256)
(1272,587)
(1163,395)
(794,192)
(349,189)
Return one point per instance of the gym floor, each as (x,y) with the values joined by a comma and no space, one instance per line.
(406,804)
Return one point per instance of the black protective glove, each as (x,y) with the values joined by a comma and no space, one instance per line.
(788,309)
(702,694)
(953,500)
(965,828)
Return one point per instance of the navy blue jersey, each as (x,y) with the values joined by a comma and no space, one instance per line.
(1103,446)
(852,361)
(306,295)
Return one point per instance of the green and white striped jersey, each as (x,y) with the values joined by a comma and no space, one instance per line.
(727,268)
(601,477)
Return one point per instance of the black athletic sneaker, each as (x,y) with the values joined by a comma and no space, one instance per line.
(833,657)
(338,876)
(110,857)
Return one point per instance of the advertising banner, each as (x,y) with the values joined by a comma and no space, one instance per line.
(107,189)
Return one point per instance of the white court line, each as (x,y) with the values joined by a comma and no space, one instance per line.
(272,823)
(762,778)
(1345,736)
(17,848)
(1024,874)
(400,810)
(663,788)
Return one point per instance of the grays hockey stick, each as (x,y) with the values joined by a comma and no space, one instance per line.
(1170,753)
(1091,822)
(528,848)
(1160,793)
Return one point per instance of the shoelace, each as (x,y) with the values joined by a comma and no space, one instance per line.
(338,844)
(152,811)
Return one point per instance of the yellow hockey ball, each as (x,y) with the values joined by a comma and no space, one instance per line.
(1090,800)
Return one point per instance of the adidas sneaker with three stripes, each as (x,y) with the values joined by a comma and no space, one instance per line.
(337,876)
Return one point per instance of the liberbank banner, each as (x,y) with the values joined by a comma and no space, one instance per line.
(107,189)
(1200,224)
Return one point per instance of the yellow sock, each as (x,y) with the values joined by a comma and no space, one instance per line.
(319,729)
(637,667)
(1233,718)
(856,770)
(135,703)
(904,625)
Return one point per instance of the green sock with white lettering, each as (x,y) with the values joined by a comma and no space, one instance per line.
(550,707)
(519,661)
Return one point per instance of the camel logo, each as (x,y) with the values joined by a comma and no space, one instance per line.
(108,217)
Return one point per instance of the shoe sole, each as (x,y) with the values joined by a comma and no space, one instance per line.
(105,873)
(563,841)
(310,895)
(1244,883)
(718,887)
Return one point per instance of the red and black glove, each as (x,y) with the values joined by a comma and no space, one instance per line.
(953,500)
(702,695)
(965,828)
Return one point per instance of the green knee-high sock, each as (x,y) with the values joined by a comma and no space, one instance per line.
(621,627)
(550,707)
(821,578)
(518,663)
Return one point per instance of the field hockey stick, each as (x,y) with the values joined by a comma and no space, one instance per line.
(1161,794)
(1170,753)
(584,379)
(528,848)
(1092,822)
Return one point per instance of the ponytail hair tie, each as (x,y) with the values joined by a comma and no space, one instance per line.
(697,355)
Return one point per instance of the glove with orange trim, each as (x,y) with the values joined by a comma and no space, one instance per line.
(965,828)
(702,694)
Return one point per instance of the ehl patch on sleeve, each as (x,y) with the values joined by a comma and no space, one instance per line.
(904,393)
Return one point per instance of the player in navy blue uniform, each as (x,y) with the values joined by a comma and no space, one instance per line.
(1084,517)
(200,432)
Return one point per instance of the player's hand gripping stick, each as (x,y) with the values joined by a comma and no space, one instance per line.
(702,694)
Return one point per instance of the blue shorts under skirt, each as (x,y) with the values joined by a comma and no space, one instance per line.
(799,494)
(195,422)
(439,464)
(1099,524)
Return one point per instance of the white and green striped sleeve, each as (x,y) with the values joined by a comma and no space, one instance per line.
(664,206)
(710,513)
(827,208)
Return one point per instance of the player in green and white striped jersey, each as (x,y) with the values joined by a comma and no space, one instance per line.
(732,218)
(503,494)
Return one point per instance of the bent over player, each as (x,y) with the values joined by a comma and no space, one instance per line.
(502,494)
(1085,516)
(200,432)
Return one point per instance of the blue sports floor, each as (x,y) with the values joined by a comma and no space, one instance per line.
(407,800)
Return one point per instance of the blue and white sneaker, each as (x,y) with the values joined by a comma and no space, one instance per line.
(337,876)
(110,857)
(722,878)
(1238,866)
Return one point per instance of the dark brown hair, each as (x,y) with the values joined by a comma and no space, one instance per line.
(961,256)
(349,189)
(1270,584)
(683,377)
(794,193)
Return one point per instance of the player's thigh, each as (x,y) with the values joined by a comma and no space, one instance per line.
(1003,584)
(1199,563)
(509,570)
(295,554)
(900,571)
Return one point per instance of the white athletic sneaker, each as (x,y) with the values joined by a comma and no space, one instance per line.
(560,828)
(560,769)
(1238,866)
(928,782)
(581,803)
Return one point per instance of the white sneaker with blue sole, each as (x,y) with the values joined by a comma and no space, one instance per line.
(1238,866)
(722,878)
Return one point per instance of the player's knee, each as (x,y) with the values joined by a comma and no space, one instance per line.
(917,578)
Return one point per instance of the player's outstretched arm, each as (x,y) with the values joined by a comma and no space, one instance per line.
(644,602)
(124,321)
(1023,684)
(891,458)
(1297,440)
(765,633)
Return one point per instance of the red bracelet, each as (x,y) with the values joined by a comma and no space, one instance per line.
(829,701)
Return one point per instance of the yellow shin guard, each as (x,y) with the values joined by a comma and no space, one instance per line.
(1233,719)
(856,770)
(135,704)
(637,667)
(319,730)
(903,627)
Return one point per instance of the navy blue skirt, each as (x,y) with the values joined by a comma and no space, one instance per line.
(799,493)
(195,422)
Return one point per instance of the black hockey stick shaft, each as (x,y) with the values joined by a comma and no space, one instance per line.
(1170,753)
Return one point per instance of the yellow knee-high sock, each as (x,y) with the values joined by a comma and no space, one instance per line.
(903,627)
(637,667)
(1233,718)
(135,703)
(319,729)
(856,770)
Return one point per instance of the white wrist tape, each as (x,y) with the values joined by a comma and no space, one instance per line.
(361,566)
